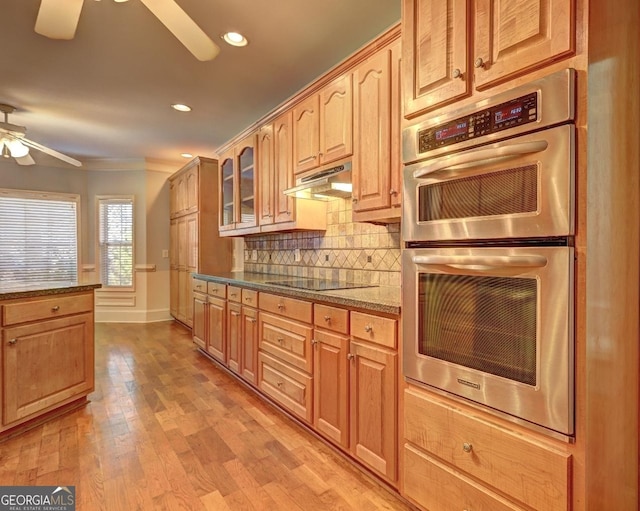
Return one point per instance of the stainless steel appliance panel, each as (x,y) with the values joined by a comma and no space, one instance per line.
(493,325)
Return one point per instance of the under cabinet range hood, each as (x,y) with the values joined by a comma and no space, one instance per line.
(324,184)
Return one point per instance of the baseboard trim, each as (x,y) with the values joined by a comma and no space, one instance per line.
(131,316)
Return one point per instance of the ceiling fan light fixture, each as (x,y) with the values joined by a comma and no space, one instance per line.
(235,39)
(181,108)
(5,150)
(17,148)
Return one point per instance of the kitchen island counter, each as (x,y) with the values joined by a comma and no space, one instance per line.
(30,289)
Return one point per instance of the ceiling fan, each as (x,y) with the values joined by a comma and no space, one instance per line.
(58,19)
(14,144)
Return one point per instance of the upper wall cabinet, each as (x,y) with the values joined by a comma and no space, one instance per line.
(238,188)
(323,125)
(184,192)
(444,60)
(376,128)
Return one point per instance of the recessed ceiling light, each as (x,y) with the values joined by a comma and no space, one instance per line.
(235,39)
(187,155)
(181,108)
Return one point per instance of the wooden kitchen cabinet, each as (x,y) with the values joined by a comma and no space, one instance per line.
(250,336)
(331,373)
(217,329)
(376,171)
(280,212)
(238,189)
(194,246)
(470,448)
(444,60)
(234,335)
(47,355)
(323,126)
(200,310)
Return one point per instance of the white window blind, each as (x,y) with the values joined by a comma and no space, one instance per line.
(38,237)
(116,241)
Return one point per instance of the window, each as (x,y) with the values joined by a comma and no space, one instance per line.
(38,237)
(116,241)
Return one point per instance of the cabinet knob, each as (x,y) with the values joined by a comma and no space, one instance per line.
(13,341)
(252,320)
(354,199)
(55,308)
(478,63)
(280,384)
(351,356)
(214,290)
(368,328)
(393,192)
(281,306)
(313,342)
(288,212)
(457,73)
(466,447)
(327,319)
(249,299)
(280,339)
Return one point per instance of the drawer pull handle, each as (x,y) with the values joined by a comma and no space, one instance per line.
(281,306)
(233,295)
(252,320)
(280,340)
(466,447)
(55,308)
(350,356)
(280,384)
(368,328)
(198,286)
(214,290)
(327,319)
(248,299)
(13,341)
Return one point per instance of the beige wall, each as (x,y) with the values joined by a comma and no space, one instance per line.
(149,301)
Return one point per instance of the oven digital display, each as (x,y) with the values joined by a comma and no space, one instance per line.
(452,130)
(512,111)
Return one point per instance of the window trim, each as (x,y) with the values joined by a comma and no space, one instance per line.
(57,196)
(98,250)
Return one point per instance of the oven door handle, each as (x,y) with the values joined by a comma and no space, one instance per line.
(477,157)
(480,263)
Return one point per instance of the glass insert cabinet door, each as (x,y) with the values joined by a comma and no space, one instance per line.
(227,187)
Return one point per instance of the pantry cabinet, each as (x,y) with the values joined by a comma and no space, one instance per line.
(194,209)
(323,126)
(377,186)
(446,60)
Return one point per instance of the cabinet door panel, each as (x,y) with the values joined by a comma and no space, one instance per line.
(331,377)
(513,37)
(199,320)
(336,120)
(266,174)
(306,135)
(30,351)
(216,336)
(283,172)
(249,352)
(234,336)
(435,46)
(373,407)
(372,125)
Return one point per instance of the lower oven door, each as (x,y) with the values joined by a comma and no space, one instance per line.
(493,325)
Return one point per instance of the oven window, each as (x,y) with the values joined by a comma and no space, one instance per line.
(484,323)
(504,192)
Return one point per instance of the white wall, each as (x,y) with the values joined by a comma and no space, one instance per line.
(147,182)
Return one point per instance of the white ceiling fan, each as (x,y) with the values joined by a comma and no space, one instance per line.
(14,144)
(58,19)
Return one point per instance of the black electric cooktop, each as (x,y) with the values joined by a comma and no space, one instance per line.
(316,284)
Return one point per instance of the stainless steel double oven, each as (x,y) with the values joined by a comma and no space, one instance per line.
(488,258)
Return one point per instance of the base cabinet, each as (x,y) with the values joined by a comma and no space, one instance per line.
(217,329)
(47,355)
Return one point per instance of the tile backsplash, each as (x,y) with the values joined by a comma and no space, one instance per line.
(350,251)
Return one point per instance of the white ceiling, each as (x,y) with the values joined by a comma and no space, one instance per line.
(106,94)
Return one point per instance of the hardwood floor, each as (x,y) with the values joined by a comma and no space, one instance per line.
(167,429)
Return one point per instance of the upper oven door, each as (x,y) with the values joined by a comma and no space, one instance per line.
(517,188)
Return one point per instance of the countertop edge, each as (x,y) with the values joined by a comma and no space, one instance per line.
(47,291)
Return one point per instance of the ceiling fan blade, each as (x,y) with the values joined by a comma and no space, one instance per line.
(58,19)
(183,28)
(25,160)
(51,152)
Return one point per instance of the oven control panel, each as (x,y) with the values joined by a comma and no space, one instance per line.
(518,111)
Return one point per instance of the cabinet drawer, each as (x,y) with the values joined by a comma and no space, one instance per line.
(234,294)
(288,340)
(250,297)
(331,318)
(216,289)
(534,474)
(287,307)
(286,385)
(200,286)
(437,487)
(47,308)
(374,329)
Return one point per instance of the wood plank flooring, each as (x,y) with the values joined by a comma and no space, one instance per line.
(168,430)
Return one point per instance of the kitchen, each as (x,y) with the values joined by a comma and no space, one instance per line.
(606,306)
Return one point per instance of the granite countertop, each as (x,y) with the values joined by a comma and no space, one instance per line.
(379,299)
(9,291)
